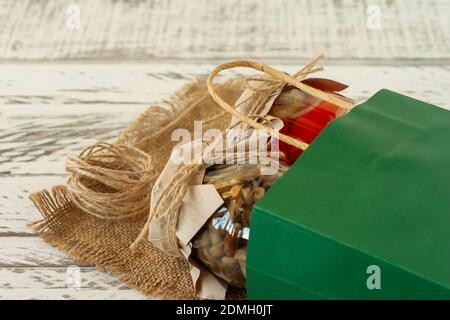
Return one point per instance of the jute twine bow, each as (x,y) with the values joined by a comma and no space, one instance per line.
(111,181)
(169,203)
(283,78)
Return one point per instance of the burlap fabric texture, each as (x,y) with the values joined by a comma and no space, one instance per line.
(101,215)
(250,111)
(71,224)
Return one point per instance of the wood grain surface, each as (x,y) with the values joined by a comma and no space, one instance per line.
(38,29)
(56,283)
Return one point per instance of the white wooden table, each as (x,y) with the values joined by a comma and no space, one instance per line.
(63,89)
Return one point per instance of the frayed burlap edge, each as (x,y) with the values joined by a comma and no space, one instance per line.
(105,244)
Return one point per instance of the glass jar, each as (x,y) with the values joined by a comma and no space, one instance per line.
(221,245)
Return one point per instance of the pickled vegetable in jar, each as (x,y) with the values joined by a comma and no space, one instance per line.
(307,127)
(305,116)
(221,245)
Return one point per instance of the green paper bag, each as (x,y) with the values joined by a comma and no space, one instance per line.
(364,213)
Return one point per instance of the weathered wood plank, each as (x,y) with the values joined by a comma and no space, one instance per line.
(16,210)
(130,86)
(61,283)
(31,252)
(75,83)
(36,134)
(36,138)
(32,29)
(71,294)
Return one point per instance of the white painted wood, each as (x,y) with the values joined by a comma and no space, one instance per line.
(34,293)
(32,29)
(69,83)
(16,210)
(38,138)
(85,102)
(77,87)
(57,283)
(31,252)
(73,87)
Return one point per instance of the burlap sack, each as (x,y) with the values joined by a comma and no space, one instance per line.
(103,240)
